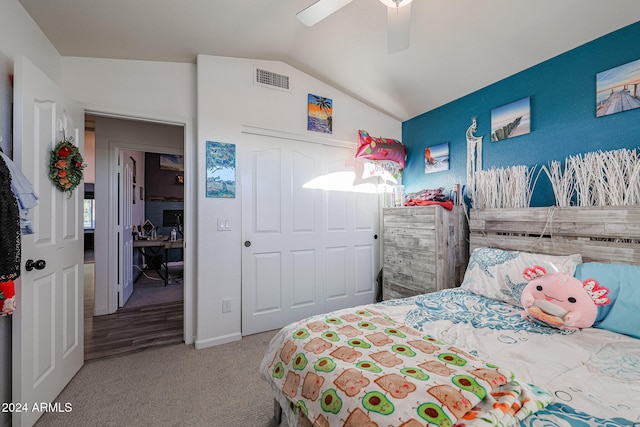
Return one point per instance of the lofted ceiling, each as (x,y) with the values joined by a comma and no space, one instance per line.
(456,46)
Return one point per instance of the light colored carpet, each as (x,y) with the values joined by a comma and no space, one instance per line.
(172,386)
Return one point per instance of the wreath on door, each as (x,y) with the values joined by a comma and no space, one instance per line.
(66,166)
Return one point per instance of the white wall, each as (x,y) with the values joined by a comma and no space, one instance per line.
(162,91)
(19,35)
(228,100)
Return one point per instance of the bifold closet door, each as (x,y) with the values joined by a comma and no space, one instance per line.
(304,245)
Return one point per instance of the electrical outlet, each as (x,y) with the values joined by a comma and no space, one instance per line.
(226,305)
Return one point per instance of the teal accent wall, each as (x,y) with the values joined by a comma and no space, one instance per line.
(563,120)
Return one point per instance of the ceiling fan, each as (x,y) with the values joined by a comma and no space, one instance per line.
(398,19)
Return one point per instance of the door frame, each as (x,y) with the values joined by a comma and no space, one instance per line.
(190,166)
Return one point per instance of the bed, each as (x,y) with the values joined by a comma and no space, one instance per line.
(467,356)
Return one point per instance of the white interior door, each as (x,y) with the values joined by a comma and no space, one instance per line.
(48,325)
(125,230)
(305,245)
(351,234)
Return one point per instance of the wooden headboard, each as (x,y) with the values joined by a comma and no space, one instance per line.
(600,234)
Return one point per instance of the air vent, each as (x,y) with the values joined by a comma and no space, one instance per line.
(272,80)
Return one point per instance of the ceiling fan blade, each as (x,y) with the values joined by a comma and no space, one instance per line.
(398,28)
(320,10)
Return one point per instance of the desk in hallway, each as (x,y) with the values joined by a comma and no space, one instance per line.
(159,247)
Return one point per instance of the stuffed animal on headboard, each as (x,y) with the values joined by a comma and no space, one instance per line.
(560,300)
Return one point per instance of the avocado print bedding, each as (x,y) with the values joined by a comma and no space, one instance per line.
(450,358)
(358,367)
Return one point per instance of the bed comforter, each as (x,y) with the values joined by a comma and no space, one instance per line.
(494,368)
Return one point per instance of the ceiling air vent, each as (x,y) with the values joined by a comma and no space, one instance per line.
(272,80)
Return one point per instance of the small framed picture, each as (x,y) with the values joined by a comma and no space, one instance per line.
(617,89)
(320,114)
(436,158)
(511,120)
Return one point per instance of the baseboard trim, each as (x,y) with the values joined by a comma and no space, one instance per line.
(211,342)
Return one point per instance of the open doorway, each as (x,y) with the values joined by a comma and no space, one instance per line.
(132,188)
(152,204)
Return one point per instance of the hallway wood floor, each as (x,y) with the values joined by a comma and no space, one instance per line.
(129,330)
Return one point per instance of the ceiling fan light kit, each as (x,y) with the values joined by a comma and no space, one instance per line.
(398,19)
(320,10)
(395,3)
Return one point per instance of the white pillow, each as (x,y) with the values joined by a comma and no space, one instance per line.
(497,274)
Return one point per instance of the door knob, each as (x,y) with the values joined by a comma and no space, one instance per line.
(247,243)
(375,236)
(38,265)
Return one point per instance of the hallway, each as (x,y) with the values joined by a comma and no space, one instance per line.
(136,328)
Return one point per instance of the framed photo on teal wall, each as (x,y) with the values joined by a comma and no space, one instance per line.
(511,120)
(618,89)
(436,158)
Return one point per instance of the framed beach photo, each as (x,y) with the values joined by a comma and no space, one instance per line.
(617,89)
(320,114)
(436,158)
(511,120)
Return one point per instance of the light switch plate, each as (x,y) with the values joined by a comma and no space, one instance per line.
(224,224)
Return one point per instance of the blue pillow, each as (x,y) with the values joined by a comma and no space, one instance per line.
(623,282)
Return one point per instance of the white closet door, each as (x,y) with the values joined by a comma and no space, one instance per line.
(306,249)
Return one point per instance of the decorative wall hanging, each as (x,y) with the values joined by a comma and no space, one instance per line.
(511,120)
(172,162)
(320,114)
(66,166)
(221,170)
(617,89)
(436,158)
(474,155)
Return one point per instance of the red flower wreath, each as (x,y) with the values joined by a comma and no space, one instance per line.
(66,165)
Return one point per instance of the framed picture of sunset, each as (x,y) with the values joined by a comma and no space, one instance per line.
(320,114)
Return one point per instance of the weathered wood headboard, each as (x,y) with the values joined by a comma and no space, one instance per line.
(600,234)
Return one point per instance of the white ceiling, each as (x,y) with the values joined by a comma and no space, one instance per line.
(457,46)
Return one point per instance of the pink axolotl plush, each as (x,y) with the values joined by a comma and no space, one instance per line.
(560,300)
